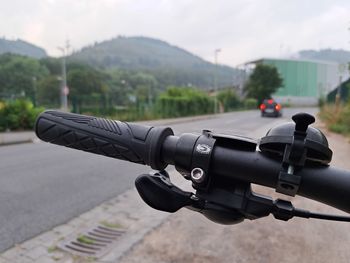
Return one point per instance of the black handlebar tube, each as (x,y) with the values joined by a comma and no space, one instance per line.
(321,183)
(157,147)
(120,140)
(325,184)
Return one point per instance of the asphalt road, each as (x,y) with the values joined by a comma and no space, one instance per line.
(43,185)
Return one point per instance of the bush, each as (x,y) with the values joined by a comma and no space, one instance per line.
(336,118)
(339,128)
(345,118)
(229,99)
(19,114)
(321,102)
(178,101)
(250,103)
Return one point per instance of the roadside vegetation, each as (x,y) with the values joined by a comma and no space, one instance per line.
(28,86)
(337,118)
(335,109)
(19,114)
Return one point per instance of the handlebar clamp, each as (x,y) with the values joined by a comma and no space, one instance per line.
(294,156)
(201,156)
(297,143)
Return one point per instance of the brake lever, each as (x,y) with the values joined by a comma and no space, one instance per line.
(160,193)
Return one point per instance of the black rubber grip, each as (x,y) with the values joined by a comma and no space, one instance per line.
(121,140)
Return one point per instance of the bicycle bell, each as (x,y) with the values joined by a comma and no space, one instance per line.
(312,139)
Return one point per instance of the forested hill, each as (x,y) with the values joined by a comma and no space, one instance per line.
(21,47)
(335,55)
(171,65)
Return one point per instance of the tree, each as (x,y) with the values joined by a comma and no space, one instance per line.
(144,86)
(48,91)
(85,81)
(19,74)
(54,65)
(119,87)
(87,89)
(263,82)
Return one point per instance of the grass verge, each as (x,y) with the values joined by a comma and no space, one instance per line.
(337,118)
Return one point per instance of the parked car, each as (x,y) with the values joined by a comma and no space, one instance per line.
(269,107)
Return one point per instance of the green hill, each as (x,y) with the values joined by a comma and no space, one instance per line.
(171,65)
(335,55)
(21,47)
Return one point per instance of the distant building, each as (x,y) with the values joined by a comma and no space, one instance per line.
(304,81)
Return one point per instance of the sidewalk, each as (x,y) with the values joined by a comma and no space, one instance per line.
(126,214)
(7,138)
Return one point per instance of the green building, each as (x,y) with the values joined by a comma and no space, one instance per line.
(304,81)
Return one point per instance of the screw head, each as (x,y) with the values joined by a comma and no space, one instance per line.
(197,175)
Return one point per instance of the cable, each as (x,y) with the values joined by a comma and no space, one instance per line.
(308,214)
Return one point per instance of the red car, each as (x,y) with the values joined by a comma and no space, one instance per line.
(270,107)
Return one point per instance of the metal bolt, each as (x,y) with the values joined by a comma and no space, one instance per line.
(194,197)
(197,175)
(206,132)
(290,169)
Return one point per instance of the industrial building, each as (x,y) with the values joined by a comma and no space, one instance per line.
(304,81)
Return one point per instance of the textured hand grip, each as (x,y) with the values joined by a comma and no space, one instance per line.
(120,140)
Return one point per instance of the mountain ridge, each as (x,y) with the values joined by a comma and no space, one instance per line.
(157,57)
(170,64)
(328,54)
(21,47)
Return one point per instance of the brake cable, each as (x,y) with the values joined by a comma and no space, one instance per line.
(307,214)
(284,210)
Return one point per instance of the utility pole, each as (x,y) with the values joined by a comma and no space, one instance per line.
(216,52)
(64,87)
(341,69)
(349,61)
(34,91)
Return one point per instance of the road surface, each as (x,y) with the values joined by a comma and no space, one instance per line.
(43,185)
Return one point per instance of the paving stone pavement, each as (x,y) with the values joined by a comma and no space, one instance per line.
(127,211)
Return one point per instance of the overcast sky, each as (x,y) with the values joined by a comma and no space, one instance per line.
(243,29)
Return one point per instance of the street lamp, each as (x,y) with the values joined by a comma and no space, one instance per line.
(216,52)
(64,87)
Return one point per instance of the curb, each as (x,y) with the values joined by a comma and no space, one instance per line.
(10,138)
(16,142)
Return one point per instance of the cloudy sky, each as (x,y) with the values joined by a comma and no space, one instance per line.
(243,29)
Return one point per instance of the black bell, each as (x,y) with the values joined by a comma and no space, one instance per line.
(315,143)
